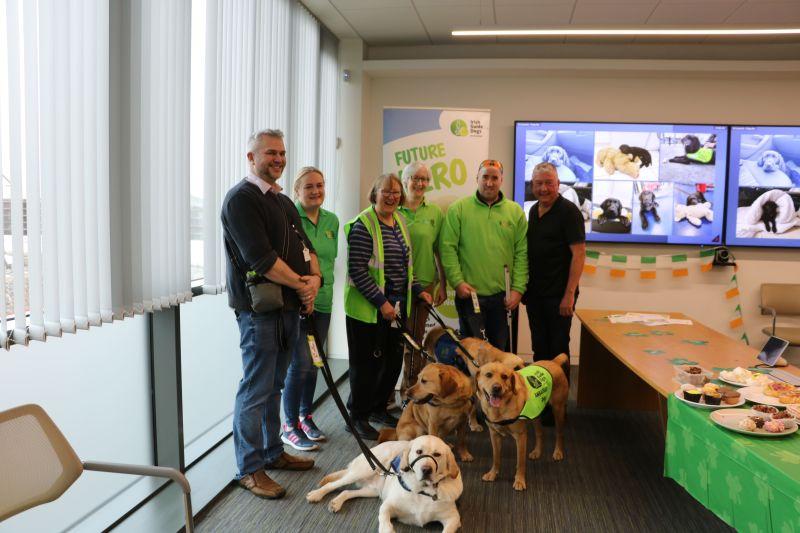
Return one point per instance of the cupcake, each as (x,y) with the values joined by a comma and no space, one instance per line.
(757,420)
(731,397)
(747,424)
(693,395)
(710,388)
(774,426)
(712,398)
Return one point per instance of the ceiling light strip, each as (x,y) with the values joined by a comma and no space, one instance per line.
(625,32)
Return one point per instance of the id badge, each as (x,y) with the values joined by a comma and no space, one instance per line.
(475,305)
(306,255)
(312,349)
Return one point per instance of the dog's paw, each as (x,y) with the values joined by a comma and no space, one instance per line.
(466,457)
(519,483)
(491,475)
(477,428)
(335,505)
(314,496)
(558,455)
(535,454)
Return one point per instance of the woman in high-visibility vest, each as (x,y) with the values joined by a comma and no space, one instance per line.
(379,290)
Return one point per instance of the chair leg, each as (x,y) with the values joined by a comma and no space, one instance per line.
(187,503)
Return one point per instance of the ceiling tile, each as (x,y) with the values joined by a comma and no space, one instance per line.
(441,20)
(446,3)
(533,15)
(369,4)
(767,13)
(692,13)
(390,25)
(616,13)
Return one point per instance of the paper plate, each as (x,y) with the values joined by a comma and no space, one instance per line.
(729,419)
(756,395)
(702,405)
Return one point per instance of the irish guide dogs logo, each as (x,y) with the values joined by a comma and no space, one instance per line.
(459,128)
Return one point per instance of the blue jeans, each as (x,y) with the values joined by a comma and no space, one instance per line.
(492,319)
(301,380)
(256,416)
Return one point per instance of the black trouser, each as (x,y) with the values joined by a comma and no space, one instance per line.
(376,357)
(549,330)
(493,319)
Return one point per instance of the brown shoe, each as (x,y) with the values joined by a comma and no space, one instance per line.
(260,484)
(290,462)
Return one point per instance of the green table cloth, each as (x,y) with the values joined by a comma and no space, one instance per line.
(752,483)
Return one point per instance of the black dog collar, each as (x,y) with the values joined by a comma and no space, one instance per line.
(396,469)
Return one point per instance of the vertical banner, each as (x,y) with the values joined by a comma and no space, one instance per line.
(450,142)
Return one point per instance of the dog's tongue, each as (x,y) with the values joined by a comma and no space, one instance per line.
(494,401)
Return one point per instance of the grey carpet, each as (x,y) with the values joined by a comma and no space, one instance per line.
(611,480)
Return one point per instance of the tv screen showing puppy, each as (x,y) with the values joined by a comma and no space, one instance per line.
(764,195)
(647,183)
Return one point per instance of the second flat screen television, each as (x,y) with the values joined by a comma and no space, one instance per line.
(645,183)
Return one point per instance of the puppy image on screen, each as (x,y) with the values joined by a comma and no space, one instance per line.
(772,161)
(647,201)
(612,210)
(696,152)
(769,213)
(637,152)
(612,160)
(696,198)
(557,156)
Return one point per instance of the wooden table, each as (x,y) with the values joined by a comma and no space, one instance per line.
(616,371)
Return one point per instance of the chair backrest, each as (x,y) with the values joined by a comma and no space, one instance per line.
(37,464)
(783,297)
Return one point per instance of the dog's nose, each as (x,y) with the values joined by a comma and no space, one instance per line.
(427,471)
(495,389)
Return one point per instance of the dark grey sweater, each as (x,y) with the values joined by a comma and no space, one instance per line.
(258,228)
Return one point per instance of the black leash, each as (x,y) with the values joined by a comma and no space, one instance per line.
(373,461)
(409,338)
(452,334)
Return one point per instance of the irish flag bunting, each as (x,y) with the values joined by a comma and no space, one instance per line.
(648,267)
(618,263)
(679,268)
(590,266)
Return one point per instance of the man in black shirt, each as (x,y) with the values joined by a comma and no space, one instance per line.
(263,233)
(556,253)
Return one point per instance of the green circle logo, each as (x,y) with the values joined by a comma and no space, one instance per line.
(459,128)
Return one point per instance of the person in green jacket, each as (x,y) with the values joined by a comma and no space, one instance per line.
(482,234)
(322,228)
(424,221)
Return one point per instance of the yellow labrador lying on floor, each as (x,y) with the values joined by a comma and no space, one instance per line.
(425,489)
(439,343)
(505,396)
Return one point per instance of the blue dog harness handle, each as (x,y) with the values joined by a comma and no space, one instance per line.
(446,352)
(539,383)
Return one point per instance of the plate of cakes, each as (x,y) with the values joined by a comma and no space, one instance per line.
(744,421)
(741,377)
(776,393)
(709,396)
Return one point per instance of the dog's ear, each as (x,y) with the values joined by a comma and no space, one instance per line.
(404,459)
(447,385)
(452,466)
(514,377)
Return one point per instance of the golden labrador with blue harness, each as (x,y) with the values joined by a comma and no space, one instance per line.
(510,398)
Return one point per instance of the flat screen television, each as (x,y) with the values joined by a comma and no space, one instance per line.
(642,183)
(764,187)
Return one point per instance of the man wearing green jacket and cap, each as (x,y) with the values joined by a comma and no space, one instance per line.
(481,235)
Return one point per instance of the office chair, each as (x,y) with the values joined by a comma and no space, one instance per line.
(781,299)
(37,464)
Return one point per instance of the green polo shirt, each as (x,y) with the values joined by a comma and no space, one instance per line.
(424,225)
(324,237)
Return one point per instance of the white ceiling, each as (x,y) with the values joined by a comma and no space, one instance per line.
(381,23)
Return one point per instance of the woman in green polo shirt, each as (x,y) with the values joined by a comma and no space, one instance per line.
(322,227)
(424,220)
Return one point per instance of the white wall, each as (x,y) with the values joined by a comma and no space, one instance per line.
(95,386)
(616,90)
